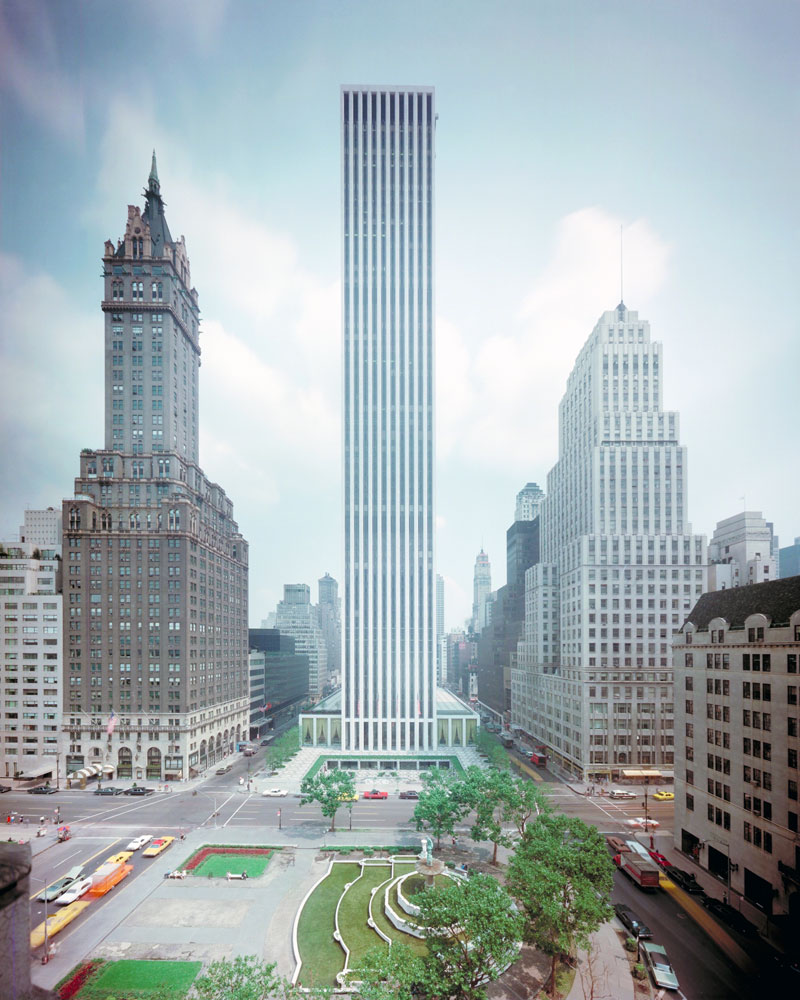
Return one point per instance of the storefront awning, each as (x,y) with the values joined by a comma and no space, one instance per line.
(108,768)
(37,772)
(643,775)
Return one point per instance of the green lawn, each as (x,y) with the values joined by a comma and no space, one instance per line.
(322,957)
(140,979)
(218,865)
(388,928)
(354,911)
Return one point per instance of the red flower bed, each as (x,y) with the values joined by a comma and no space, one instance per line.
(197,859)
(75,982)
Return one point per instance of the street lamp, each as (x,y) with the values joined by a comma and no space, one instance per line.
(213,796)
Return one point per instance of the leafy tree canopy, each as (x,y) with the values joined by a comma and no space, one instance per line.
(439,806)
(247,978)
(331,789)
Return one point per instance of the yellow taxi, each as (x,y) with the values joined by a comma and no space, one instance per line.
(157,847)
(660,796)
(348,797)
(118,859)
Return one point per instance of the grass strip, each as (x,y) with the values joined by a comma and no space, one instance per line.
(131,978)
(322,957)
(218,865)
(354,912)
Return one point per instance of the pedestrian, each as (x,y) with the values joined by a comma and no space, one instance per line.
(454,841)
(41,820)
(8,818)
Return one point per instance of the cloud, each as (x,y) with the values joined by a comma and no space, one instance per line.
(30,70)
(500,402)
(45,347)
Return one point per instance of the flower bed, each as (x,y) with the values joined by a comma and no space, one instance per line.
(200,856)
(78,979)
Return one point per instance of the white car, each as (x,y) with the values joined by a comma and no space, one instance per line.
(139,842)
(275,793)
(656,960)
(621,793)
(640,823)
(75,891)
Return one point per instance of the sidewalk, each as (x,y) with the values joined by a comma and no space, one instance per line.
(604,971)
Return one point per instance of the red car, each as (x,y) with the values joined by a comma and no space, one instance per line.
(375,794)
(660,859)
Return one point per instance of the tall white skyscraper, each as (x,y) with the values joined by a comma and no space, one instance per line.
(481,590)
(620,567)
(388,319)
(529,502)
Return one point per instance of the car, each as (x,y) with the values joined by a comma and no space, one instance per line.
(348,797)
(629,919)
(409,793)
(107,790)
(157,847)
(138,842)
(659,859)
(641,823)
(660,796)
(686,880)
(275,793)
(264,743)
(621,793)
(375,794)
(42,790)
(224,769)
(61,885)
(5,788)
(730,916)
(75,891)
(119,859)
(655,958)
(138,790)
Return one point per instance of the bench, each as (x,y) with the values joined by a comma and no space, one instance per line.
(232,875)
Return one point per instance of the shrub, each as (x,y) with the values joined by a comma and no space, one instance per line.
(630,944)
(638,971)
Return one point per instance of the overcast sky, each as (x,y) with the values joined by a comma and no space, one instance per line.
(558,122)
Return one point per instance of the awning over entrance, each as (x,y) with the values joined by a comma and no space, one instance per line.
(643,775)
(37,772)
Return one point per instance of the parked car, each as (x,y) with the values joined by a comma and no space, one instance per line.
(375,794)
(730,916)
(621,793)
(224,769)
(157,847)
(61,885)
(629,919)
(686,880)
(265,743)
(75,891)
(659,859)
(42,790)
(138,790)
(660,796)
(642,824)
(275,793)
(107,790)
(655,958)
(5,788)
(349,797)
(409,793)
(138,842)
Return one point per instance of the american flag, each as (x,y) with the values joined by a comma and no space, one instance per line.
(112,722)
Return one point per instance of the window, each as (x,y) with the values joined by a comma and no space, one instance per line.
(690,802)
(791,758)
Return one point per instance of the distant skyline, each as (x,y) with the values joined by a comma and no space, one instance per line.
(557,124)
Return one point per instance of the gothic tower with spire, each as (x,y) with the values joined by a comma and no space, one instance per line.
(155,575)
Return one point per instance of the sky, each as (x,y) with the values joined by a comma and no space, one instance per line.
(558,123)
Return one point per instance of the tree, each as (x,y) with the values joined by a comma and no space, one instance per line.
(485,793)
(562,876)
(440,805)
(523,801)
(395,973)
(330,789)
(472,932)
(247,978)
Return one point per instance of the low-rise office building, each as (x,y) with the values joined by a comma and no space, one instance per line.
(737,720)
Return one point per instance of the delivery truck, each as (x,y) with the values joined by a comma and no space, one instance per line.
(644,873)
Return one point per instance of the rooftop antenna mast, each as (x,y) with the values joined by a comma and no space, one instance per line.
(621,296)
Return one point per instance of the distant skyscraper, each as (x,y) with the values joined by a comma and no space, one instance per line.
(481,590)
(790,559)
(620,567)
(440,649)
(529,503)
(297,616)
(155,569)
(330,621)
(740,552)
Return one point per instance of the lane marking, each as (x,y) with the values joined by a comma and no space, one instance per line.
(233,814)
(86,862)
